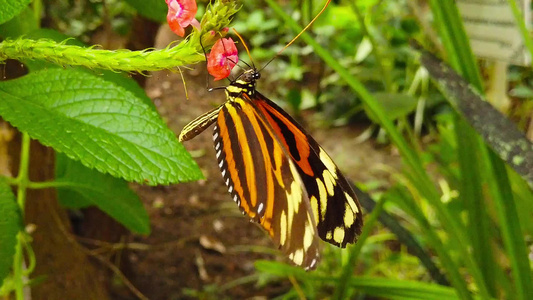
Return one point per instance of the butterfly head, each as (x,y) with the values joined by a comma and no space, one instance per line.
(250,76)
(245,83)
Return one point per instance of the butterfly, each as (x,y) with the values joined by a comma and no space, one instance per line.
(278,174)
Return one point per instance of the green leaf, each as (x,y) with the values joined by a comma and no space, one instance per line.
(394,105)
(11,8)
(500,133)
(97,123)
(155,10)
(10,224)
(402,289)
(521,91)
(19,25)
(81,187)
(341,290)
(118,78)
(514,242)
(379,287)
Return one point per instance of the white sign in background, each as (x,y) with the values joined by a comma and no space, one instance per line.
(493,33)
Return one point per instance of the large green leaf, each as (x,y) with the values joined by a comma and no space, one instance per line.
(97,123)
(81,186)
(11,8)
(121,79)
(10,224)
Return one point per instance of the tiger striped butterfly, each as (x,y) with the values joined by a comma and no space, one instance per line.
(278,174)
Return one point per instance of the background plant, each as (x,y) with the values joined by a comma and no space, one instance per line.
(469,213)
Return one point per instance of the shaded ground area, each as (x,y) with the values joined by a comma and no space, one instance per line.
(199,237)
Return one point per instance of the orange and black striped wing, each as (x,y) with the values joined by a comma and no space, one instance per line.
(335,206)
(263,180)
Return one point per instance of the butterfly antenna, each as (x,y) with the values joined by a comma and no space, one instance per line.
(209,89)
(299,34)
(231,60)
(246,47)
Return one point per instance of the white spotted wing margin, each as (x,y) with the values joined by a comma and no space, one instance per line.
(264,181)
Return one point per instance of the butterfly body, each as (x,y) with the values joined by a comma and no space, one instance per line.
(278,174)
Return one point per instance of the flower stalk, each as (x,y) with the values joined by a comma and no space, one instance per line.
(189,51)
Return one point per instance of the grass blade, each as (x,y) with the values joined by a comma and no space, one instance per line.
(341,291)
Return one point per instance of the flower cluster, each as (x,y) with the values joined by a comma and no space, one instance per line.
(223,56)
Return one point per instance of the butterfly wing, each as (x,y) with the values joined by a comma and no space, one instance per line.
(335,206)
(263,180)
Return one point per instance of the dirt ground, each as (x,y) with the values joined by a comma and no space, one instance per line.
(199,237)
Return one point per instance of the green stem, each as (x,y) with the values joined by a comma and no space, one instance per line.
(49,184)
(43,184)
(37,9)
(24,168)
(341,291)
(17,269)
(22,179)
(69,55)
